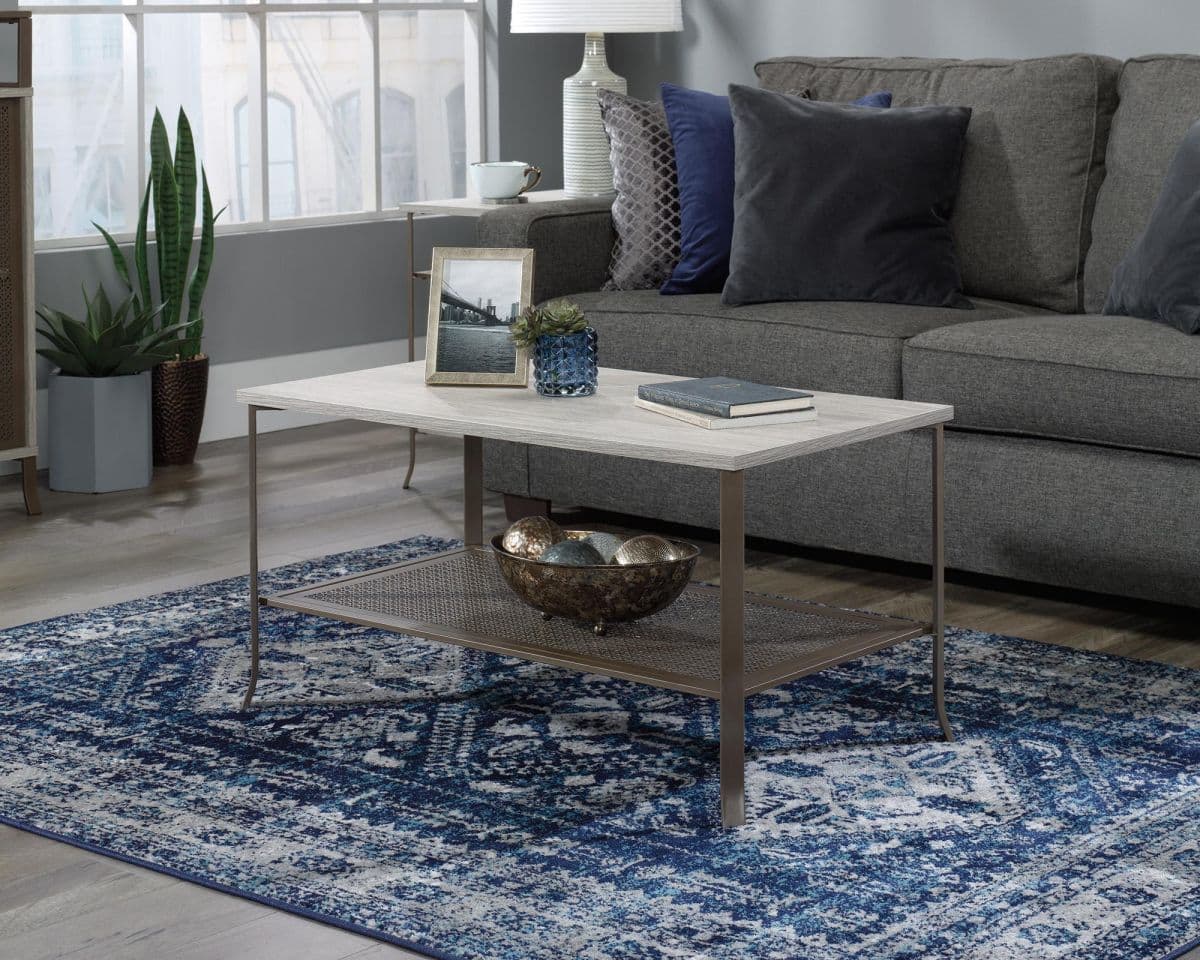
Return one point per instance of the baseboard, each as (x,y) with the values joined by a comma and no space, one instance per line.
(224,417)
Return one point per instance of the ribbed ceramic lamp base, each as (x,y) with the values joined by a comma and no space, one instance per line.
(587,170)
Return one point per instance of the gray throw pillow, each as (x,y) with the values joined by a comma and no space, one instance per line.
(841,202)
(1159,279)
(646,209)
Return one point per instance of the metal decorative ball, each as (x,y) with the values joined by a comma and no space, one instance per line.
(606,543)
(647,548)
(530,537)
(572,553)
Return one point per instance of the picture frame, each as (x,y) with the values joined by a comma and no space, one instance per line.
(475,293)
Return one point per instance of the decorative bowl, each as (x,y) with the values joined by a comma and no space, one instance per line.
(600,594)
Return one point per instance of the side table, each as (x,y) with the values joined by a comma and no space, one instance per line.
(471,207)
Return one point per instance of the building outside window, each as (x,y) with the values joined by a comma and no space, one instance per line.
(102,194)
(398,150)
(348,124)
(456,128)
(397,153)
(354,106)
(284,175)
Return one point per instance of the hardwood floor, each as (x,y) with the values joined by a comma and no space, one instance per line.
(324,489)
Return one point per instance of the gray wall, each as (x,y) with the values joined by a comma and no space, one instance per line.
(723,38)
(311,288)
(531,71)
(285,291)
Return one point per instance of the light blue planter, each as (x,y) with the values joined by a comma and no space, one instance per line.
(99,433)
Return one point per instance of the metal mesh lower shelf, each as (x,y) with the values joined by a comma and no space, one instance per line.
(461,597)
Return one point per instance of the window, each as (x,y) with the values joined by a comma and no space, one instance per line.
(102,197)
(397,153)
(328,108)
(43,164)
(456,127)
(348,124)
(281,163)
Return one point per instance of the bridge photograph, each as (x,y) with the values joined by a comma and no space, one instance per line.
(479,300)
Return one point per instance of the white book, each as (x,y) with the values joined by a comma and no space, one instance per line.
(726,423)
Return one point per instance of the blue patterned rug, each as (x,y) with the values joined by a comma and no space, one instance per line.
(470,806)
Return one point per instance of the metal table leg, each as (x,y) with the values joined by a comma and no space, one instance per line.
(472,491)
(939,585)
(255,600)
(733,698)
(412,325)
(412,458)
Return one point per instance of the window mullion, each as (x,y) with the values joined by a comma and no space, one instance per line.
(139,26)
(133,113)
(480,66)
(259,135)
(376,106)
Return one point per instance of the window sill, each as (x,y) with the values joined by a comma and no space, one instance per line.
(235,229)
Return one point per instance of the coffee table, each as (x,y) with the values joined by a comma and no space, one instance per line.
(714,641)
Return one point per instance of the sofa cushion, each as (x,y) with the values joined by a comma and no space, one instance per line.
(1121,381)
(848,347)
(1159,100)
(1033,161)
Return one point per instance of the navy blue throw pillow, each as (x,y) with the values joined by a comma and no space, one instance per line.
(1159,279)
(702,130)
(881,100)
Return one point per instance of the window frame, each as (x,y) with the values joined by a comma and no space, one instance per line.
(256,12)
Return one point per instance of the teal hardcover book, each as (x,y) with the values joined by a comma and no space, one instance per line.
(725,396)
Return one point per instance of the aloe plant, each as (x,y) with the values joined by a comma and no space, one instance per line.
(555,319)
(111,342)
(171,191)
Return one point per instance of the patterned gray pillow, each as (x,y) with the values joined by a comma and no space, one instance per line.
(646,210)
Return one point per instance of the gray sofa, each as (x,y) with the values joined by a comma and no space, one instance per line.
(1074,458)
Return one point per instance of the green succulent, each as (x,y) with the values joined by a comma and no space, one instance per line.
(111,342)
(555,319)
(171,188)
(524,329)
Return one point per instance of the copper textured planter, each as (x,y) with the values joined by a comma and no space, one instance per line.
(179,390)
(600,594)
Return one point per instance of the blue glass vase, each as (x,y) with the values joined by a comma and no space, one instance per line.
(565,366)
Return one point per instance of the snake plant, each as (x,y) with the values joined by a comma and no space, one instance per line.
(111,342)
(171,191)
(555,319)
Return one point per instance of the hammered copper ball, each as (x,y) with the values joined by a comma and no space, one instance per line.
(647,548)
(530,537)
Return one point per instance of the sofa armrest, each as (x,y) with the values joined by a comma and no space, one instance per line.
(572,242)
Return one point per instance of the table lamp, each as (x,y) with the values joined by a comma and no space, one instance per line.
(587,171)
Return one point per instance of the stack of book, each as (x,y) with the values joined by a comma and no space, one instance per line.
(716,403)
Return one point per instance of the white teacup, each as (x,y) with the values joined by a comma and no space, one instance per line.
(503,179)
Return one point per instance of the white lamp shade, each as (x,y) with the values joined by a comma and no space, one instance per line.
(596,16)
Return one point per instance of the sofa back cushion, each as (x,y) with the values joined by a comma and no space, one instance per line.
(1033,162)
(1159,100)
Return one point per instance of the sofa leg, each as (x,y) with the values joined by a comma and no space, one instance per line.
(516,508)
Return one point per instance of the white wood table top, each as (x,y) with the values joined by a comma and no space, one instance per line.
(473,206)
(607,422)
